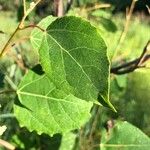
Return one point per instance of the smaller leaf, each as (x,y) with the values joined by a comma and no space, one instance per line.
(124,136)
(48,109)
(108,24)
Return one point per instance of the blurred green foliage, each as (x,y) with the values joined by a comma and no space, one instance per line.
(129,93)
(138,89)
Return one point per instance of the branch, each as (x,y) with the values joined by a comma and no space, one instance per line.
(8,42)
(130,63)
(32,26)
(20,25)
(134,64)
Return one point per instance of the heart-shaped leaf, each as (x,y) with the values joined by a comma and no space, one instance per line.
(48,109)
(74,56)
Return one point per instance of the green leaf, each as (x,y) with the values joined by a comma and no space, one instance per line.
(104,19)
(74,57)
(108,24)
(124,136)
(37,34)
(48,109)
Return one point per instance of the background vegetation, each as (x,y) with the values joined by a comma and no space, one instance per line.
(129,92)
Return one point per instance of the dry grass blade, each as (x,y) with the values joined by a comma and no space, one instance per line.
(6,145)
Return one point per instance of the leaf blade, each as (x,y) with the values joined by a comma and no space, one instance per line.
(125,136)
(81,56)
(48,109)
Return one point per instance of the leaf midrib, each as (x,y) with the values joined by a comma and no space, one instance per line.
(72,58)
(46,97)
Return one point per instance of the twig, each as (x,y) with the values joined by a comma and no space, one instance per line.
(98,6)
(32,26)
(4,116)
(11,83)
(8,42)
(134,64)
(143,54)
(27,12)
(7,145)
(130,63)
(124,33)
(24,6)
(148,9)
(7,91)
(20,25)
